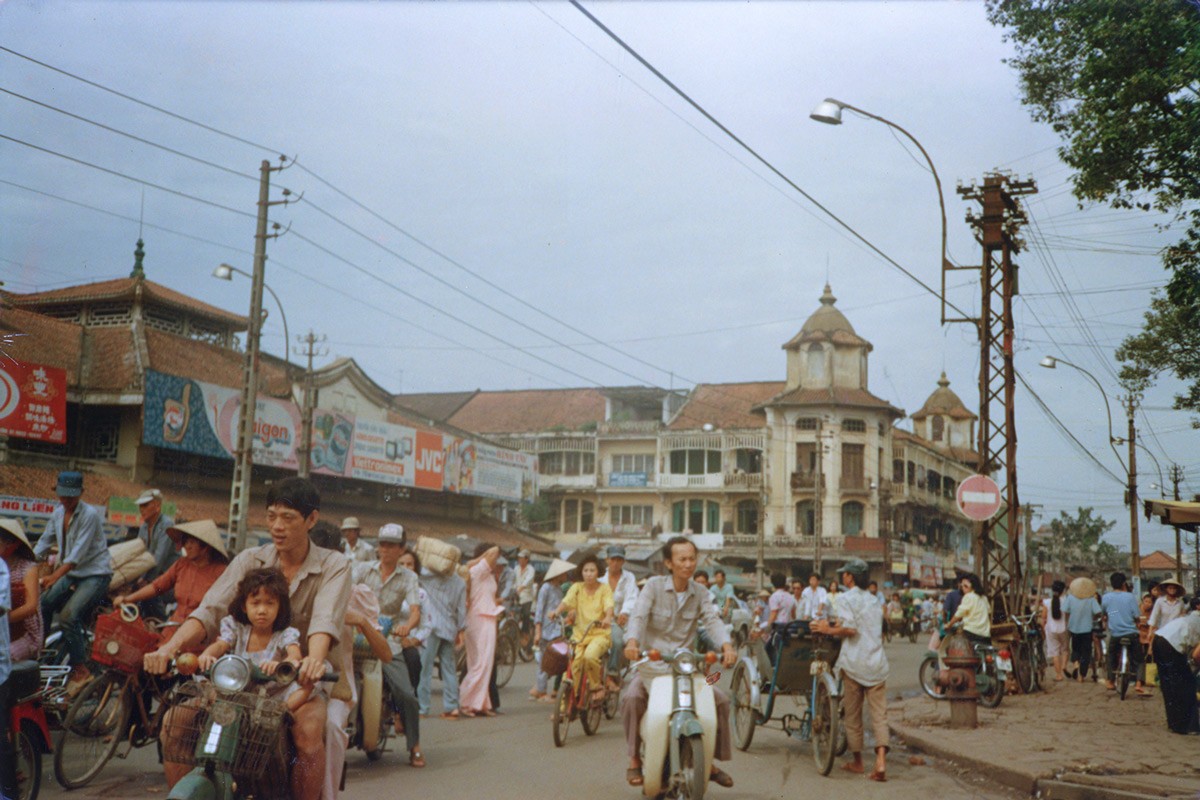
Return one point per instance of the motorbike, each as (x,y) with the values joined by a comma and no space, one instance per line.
(371,718)
(991,676)
(30,730)
(679,728)
(235,731)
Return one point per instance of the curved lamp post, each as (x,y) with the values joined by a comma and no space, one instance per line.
(225,273)
(830,110)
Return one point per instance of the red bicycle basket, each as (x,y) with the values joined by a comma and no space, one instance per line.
(555,658)
(120,644)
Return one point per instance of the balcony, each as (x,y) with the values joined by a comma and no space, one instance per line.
(548,483)
(746,481)
(632,531)
(804,481)
(714,480)
(648,428)
(630,480)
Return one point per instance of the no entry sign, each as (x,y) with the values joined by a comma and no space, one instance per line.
(978,498)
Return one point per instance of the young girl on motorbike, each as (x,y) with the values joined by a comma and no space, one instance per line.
(257,628)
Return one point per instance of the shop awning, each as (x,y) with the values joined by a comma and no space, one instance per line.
(1183,513)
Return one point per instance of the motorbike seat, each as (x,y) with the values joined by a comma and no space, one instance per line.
(25,679)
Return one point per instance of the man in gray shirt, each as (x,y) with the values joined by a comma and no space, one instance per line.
(153,533)
(668,613)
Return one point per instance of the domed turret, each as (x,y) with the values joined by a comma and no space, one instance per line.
(944,418)
(827,353)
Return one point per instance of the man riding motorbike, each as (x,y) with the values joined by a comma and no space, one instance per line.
(666,617)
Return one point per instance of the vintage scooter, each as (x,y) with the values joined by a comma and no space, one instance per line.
(679,729)
(237,731)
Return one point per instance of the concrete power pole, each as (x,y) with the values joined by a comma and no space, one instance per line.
(1135,556)
(819,504)
(1176,479)
(310,401)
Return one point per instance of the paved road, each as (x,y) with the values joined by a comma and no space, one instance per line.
(513,756)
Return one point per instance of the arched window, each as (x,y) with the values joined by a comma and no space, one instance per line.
(852,519)
(806,518)
(747,517)
(938,428)
(816,364)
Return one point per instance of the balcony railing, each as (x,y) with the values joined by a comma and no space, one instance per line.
(804,481)
(604,529)
(629,427)
(714,480)
(567,481)
(744,480)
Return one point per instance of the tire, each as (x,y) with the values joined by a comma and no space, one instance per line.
(96,722)
(562,713)
(694,772)
(591,714)
(1039,662)
(29,766)
(1022,666)
(1123,674)
(506,660)
(745,715)
(912,633)
(927,675)
(995,693)
(826,720)
(612,704)
(525,646)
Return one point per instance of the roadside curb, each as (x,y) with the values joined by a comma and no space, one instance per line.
(1007,775)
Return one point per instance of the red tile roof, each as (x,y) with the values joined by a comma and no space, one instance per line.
(725,405)
(438,406)
(962,454)
(944,401)
(41,340)
(836,396)
(530,411)
(190,358)
(110,361)
(1158,560)
(126,288)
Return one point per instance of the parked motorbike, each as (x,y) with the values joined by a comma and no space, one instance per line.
(234,732)
(679,729)
(995,665)
(30,731)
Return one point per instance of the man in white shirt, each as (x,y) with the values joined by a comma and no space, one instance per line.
(863,665)
(355,548)
(625,595)
(814,600)
(526,591)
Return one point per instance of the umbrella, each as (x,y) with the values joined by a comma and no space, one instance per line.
(1083,588)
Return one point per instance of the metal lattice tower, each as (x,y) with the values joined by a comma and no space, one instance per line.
(997,547)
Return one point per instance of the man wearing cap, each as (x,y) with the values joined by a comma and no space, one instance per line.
(355,547)
(153,533)
(526,578)
(858,620)
(83,571)
(625,594)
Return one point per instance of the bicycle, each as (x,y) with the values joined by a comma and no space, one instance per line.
(97,721)
(1123,675)
(1029,654)
(578,701)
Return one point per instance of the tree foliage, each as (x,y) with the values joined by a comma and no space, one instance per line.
(1119,81)
(1169,341)
(1078,541)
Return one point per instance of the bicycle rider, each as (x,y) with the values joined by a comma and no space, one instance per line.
(1121,608)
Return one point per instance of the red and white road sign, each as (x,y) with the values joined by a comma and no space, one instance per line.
(978,498)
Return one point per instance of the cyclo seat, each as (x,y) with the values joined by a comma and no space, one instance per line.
(24,680)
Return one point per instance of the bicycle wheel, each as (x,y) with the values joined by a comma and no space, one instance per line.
(592,711)
(1123,671)
(995,689)
(29,766)
(927,675)
(96,723)
(825,723)
(562,712)
(506,660)
(1022,667)
(1039,662)
(745,715)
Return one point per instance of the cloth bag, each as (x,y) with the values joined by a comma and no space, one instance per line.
(1151,671)
(130,561)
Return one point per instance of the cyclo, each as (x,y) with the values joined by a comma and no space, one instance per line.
(802,668)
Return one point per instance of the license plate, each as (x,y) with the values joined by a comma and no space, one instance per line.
(1004,665)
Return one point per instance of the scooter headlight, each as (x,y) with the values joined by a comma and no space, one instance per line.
(231,674)
(685,663)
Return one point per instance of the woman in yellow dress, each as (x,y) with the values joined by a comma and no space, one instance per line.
(590,601)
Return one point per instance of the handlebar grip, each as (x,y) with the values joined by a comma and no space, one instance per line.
(330,677)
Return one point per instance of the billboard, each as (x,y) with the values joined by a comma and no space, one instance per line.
(33,401)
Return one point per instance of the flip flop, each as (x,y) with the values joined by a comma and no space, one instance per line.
(415,759)
(878,775)
(452,715)
(633,777)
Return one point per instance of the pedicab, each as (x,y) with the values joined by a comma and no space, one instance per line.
(801,669)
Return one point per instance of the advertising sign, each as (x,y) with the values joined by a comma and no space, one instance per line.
(183,414)
(124,511)
(429,459)
(34,514)
(382,453)
(33,401)
(627,479)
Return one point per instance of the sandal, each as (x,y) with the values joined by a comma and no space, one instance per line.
(415,759)
(633,776)
(721,778)
(878,775)
(850,766)
(451,715)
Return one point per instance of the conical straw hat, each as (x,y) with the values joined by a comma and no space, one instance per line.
(203,529)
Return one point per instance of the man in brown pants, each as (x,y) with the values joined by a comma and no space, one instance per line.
(864,666)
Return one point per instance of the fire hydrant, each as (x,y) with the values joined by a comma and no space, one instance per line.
(958,681)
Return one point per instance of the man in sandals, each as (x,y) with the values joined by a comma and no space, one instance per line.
(666,617)
(858,620)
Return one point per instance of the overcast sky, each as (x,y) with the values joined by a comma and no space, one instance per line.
(519,141)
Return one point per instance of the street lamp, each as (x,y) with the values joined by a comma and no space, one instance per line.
(225,272)
(829,111)
(1135,556)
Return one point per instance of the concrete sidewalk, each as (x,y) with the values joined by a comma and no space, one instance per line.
(1072,741)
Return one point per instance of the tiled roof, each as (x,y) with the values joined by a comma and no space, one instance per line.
(725,405)
(944,401)
(177,355)
(438,406)
(827,324)
(530,411)
(42,340)
(416,421)
(110,361)
(125,288)
(1157,560)
(835,396)
(963,454)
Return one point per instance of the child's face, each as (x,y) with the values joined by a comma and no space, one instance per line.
(261,609)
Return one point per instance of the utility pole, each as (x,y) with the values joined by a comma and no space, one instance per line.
(819,494)
(997,550)
(1028,511)
(239,493)
(1176,479)
(310,401)
(1135,557)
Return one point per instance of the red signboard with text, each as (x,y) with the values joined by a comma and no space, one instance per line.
(33,401)
(429,460)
